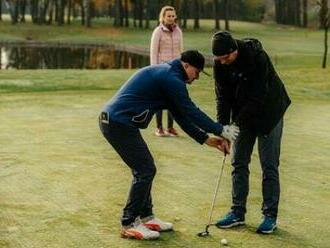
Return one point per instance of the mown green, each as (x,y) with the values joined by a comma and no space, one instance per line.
(62,185)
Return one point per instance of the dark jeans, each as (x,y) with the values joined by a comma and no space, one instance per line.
(269,154)
(159,119)
(129,144)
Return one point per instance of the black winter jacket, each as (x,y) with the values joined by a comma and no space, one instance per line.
(249,92)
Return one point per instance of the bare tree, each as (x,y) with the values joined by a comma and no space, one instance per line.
(184,13)
(12,7)
(135,12)
(147,14)
(216,15)
(140,12)
(87,10)
(196,14)
(305,16)
(60,12)
(118,20)
(324,14)
(0,10)
(126,13)
(226,17)
(47,7)
(50,12)
(83,13)
(289,12)
(22,8)
(68,20)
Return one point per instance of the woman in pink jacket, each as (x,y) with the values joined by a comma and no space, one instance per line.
(166,44)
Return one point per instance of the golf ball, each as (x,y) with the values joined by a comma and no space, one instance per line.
(224,242)
(177,219)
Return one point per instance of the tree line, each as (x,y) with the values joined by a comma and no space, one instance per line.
(138,13)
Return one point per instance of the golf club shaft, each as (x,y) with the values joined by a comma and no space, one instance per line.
(216,189)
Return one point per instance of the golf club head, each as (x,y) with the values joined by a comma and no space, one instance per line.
(203,234)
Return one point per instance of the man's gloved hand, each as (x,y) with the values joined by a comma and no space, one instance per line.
(230,132)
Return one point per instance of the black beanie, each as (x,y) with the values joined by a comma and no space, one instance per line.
(223,43)
(194,58)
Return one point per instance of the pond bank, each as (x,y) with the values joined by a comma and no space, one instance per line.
(139,50)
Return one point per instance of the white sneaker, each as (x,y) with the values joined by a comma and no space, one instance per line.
(156,224)
(138,231)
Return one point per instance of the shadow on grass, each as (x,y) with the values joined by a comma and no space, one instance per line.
(280,235)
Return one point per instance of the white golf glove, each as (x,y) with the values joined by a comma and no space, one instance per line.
(230,132)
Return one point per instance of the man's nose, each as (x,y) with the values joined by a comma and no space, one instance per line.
(223,61)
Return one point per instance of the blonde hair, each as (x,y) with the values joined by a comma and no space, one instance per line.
(163,12)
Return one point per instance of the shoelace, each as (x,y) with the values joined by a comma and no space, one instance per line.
(142,228)
(269,221)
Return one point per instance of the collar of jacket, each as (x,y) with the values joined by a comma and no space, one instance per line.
(245,57)
(166,29)
(177,66)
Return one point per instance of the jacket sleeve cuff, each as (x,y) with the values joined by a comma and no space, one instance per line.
(203,139)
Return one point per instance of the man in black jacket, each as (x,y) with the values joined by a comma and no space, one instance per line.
(250,93)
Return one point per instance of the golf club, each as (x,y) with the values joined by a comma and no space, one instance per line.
(206,232)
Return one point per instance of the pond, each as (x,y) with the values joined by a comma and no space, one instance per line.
(45,57)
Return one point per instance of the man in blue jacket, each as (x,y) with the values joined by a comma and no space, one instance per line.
(149,90)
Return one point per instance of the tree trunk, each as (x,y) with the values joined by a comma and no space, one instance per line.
(61,7)
(140,4)
(226,17)
(56,10)
(12,7)
(184,13)
(82,13)
(22,9)
(216,15)
(50,12)
(16,11)
(196,14)
(68,20)
(324,63)
(135,13)
(42,12)
(87,7)
(298,14)
(325,18)
(126,13)
(323,13)
(0,13)
(305,16)
(280,11)
(147,15)
(116,20)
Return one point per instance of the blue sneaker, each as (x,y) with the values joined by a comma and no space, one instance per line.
(230,220)
(268,225)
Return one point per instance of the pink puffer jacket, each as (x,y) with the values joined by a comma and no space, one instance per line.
(165,45)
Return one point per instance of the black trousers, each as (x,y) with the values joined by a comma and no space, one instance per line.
(129,144)
(159,119)
(269,155)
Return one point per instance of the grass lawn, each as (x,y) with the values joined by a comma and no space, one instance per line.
(61,185)
(288,46)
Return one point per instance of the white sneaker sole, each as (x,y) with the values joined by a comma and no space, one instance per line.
(267,232)
(239,223)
